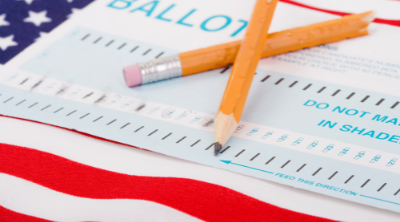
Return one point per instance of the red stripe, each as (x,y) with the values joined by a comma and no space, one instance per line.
(377,20)
(7,215)
(203,200)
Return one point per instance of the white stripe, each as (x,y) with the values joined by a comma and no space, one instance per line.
(123,159)
(32,199)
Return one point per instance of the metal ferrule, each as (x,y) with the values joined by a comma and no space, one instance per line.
(160,69)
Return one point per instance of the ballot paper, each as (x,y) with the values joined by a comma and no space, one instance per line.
(324,119)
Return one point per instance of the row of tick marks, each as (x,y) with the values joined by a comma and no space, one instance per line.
(109,123)
(95,120)
(269,161)
(226,69)
(320,90)
(121,46)
(334,94)
(195,143)
(302,167)
(63,90)
(165,137)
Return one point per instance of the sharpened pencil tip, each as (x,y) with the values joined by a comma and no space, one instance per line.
(217,148)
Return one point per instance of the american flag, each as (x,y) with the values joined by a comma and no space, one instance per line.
(22,22)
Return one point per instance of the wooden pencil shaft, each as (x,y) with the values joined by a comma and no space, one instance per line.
(247,59)
(219,56)
(245,64)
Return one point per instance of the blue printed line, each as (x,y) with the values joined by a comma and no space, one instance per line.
(252,168)
(380,199)
(230,162)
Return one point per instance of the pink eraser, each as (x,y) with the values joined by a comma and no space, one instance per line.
(133,76)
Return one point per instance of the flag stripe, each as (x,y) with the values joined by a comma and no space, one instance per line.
(377,20)
(200,199)
(29,198)
(7,215)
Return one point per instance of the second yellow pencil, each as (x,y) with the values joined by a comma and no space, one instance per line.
(244,67)
(218,56)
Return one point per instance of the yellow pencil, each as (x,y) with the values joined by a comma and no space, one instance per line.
(244,67)
(218,56)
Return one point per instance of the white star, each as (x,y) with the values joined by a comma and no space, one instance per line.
(42,36)
(37,18)
(70,1)
(3,21)
(75,11)
(27,1)
(7,42)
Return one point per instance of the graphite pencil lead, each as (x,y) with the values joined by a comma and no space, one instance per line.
(217,148)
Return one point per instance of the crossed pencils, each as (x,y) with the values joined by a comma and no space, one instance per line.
(245,56)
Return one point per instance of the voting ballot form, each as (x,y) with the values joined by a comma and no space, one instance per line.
(324,119)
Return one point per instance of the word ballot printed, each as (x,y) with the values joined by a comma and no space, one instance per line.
(335,139)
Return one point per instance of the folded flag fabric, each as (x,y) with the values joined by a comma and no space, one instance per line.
(7,215)
(197,199)
(376,20)
(23,22)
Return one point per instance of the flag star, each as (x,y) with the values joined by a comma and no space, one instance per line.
(37,18)
(7,42)
(42,35)
(70,1)
(75,11)
(27,1)
(3,21)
